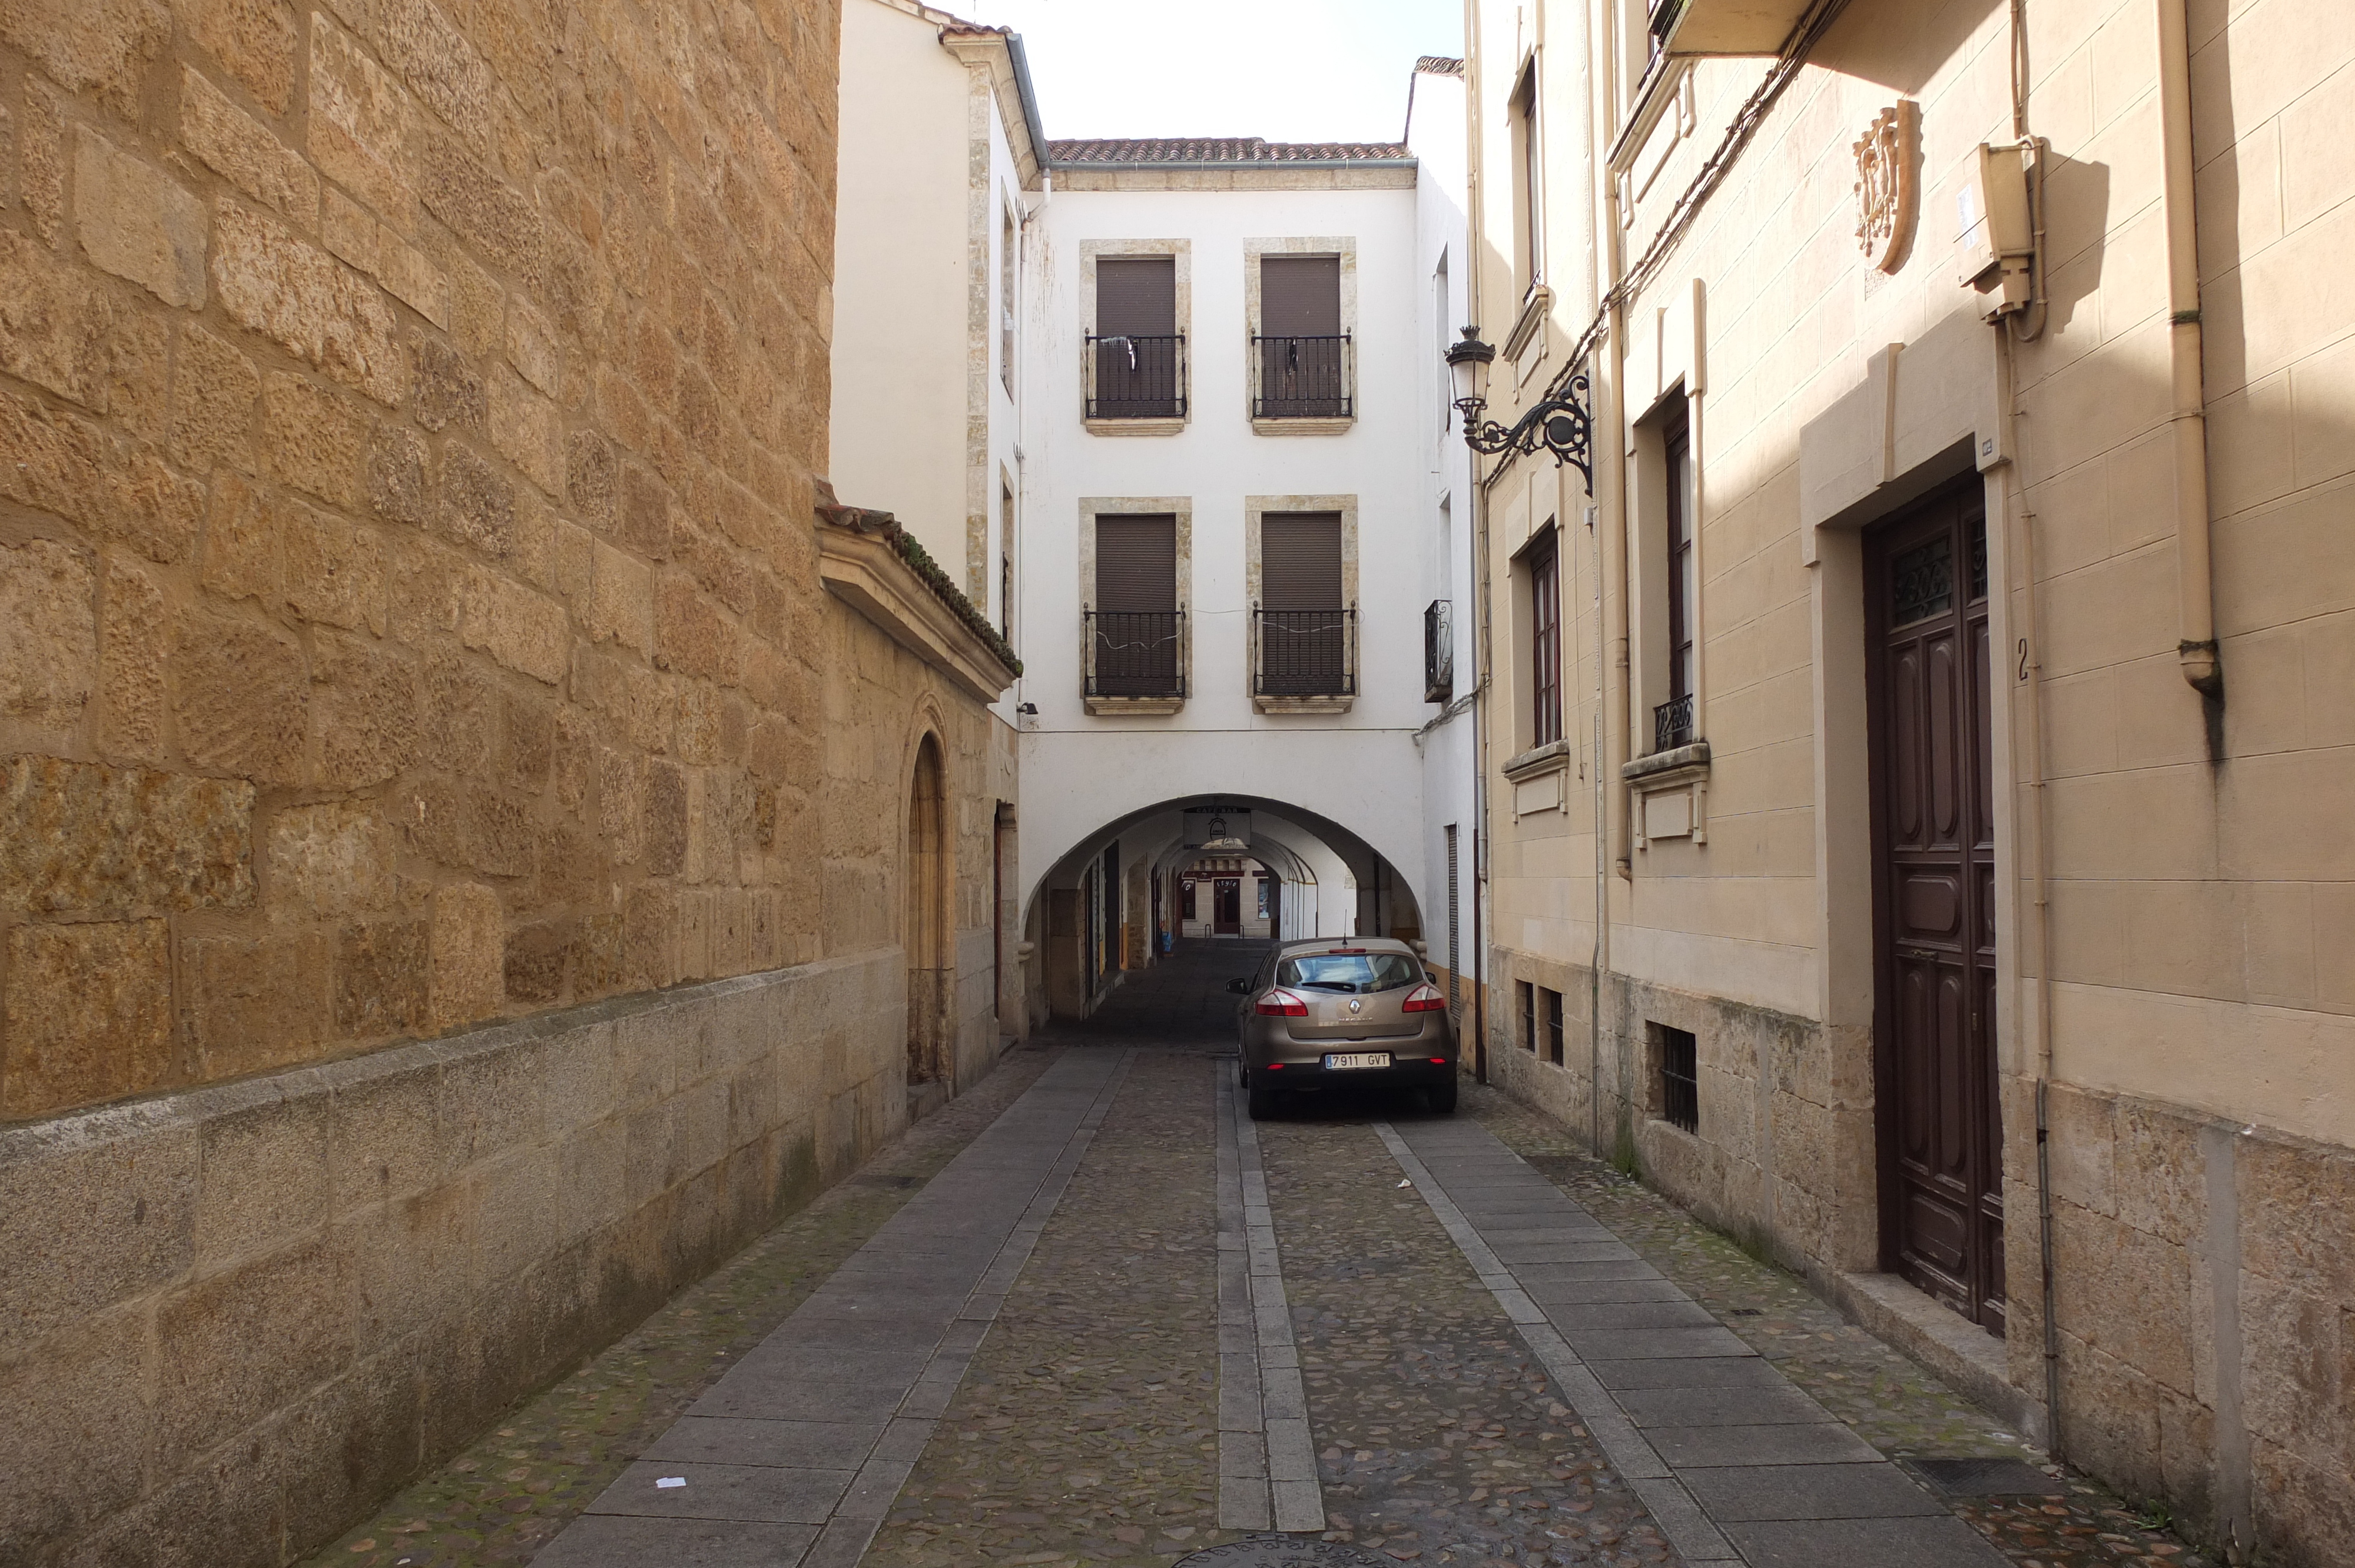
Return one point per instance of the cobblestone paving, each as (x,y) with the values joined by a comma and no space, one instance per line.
(1439,1438)
(507,1496)
(1891,1402)
(1087,1427)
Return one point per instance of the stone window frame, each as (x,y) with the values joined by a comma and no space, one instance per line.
(1342,247)
(1183,316)
(1255,507)
(1182,507)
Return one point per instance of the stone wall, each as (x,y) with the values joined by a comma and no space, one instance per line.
(237,1317)
(404,544)
(410,627)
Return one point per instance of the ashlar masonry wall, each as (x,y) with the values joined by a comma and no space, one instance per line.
(449,837)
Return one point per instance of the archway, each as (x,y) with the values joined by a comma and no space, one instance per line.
(1116,899)
(926,917)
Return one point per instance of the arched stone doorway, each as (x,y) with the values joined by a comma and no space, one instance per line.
(925,917)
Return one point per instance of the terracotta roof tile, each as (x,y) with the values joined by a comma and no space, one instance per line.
(1221,150)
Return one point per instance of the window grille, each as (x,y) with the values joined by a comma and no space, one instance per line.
(1679,1078)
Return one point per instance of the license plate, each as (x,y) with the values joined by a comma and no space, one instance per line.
(1359,1059)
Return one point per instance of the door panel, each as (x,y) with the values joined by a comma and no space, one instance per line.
(1227,900)
(1935,881)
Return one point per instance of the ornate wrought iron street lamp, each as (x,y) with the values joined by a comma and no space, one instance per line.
(1565,424)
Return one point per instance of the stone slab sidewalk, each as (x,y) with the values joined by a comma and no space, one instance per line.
(1735,1463)
(795,1457)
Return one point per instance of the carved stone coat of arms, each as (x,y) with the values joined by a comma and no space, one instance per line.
(1888,185)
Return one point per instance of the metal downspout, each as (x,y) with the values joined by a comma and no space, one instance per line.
(1480,601)
(2196,650)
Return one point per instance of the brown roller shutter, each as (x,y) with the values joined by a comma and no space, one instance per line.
(1136,294)
(1299,296)
(1136,564)
(1300,560)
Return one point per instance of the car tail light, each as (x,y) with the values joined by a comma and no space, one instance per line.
(1281,1004)
(1343,953)
(1439,1061)
(1423,998)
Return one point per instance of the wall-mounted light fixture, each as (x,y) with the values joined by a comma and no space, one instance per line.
(1565,424)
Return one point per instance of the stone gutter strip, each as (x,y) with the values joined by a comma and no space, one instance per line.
(795,1455)
(1735,1464)
(1267,1460)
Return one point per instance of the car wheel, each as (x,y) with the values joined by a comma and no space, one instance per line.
(1441,1100)
(1262,1101)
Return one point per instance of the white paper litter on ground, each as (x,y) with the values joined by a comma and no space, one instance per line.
(671,1481)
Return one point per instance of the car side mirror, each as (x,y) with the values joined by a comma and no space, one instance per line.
(1239,987)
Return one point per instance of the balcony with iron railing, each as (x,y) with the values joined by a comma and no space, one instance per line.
(1135,377)
(1438,652)
(1134,658)
(1304,660)
(1672,724)
(1304,377)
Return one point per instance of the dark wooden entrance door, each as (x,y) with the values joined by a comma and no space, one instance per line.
(1941,1130)
(1227,906)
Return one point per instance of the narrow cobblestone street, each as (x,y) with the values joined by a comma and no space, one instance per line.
(1002,1342)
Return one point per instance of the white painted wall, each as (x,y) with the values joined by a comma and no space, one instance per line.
(1437,130)
(899,351)
(1361,769)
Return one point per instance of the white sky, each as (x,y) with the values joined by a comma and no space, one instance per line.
(1290,71)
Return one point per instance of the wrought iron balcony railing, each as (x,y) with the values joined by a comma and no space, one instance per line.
(1672,724)
(1304,653)
(1136,377)
(1438,651)
(1303,377)
(1136,653)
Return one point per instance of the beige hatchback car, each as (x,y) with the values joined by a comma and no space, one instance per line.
(1359,1011)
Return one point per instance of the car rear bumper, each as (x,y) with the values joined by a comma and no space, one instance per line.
(1311,1074)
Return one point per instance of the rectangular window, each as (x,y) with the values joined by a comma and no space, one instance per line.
(1006,561)
(1528,196)
(1673,722)
(1262,897)
(1303,626)
(1188,903)
(1135,627)
(1527,995)
(1553,1047)
(1545,643)
(1136,354)
(1009,249)
(1303,354)
(1679,1078)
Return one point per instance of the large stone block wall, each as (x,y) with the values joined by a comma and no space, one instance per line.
(235,1318)
(406,605)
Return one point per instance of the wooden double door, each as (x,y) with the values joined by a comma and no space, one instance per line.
(1227,906)
(1941,1128)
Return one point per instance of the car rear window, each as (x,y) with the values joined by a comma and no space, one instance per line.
(1355,972)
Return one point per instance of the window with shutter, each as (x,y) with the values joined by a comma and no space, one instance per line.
(1303,622)
(1304,369)
(1135,629)
(1137,353)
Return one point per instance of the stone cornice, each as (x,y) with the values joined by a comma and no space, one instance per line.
(860,561)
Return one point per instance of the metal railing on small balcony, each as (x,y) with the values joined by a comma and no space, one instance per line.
(1134,378)
(1303,377)
(1136,653)
(1672,724)
(1304,653)
(1438,651)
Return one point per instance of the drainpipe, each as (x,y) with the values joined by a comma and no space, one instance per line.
(2197,651)
(1478,496)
